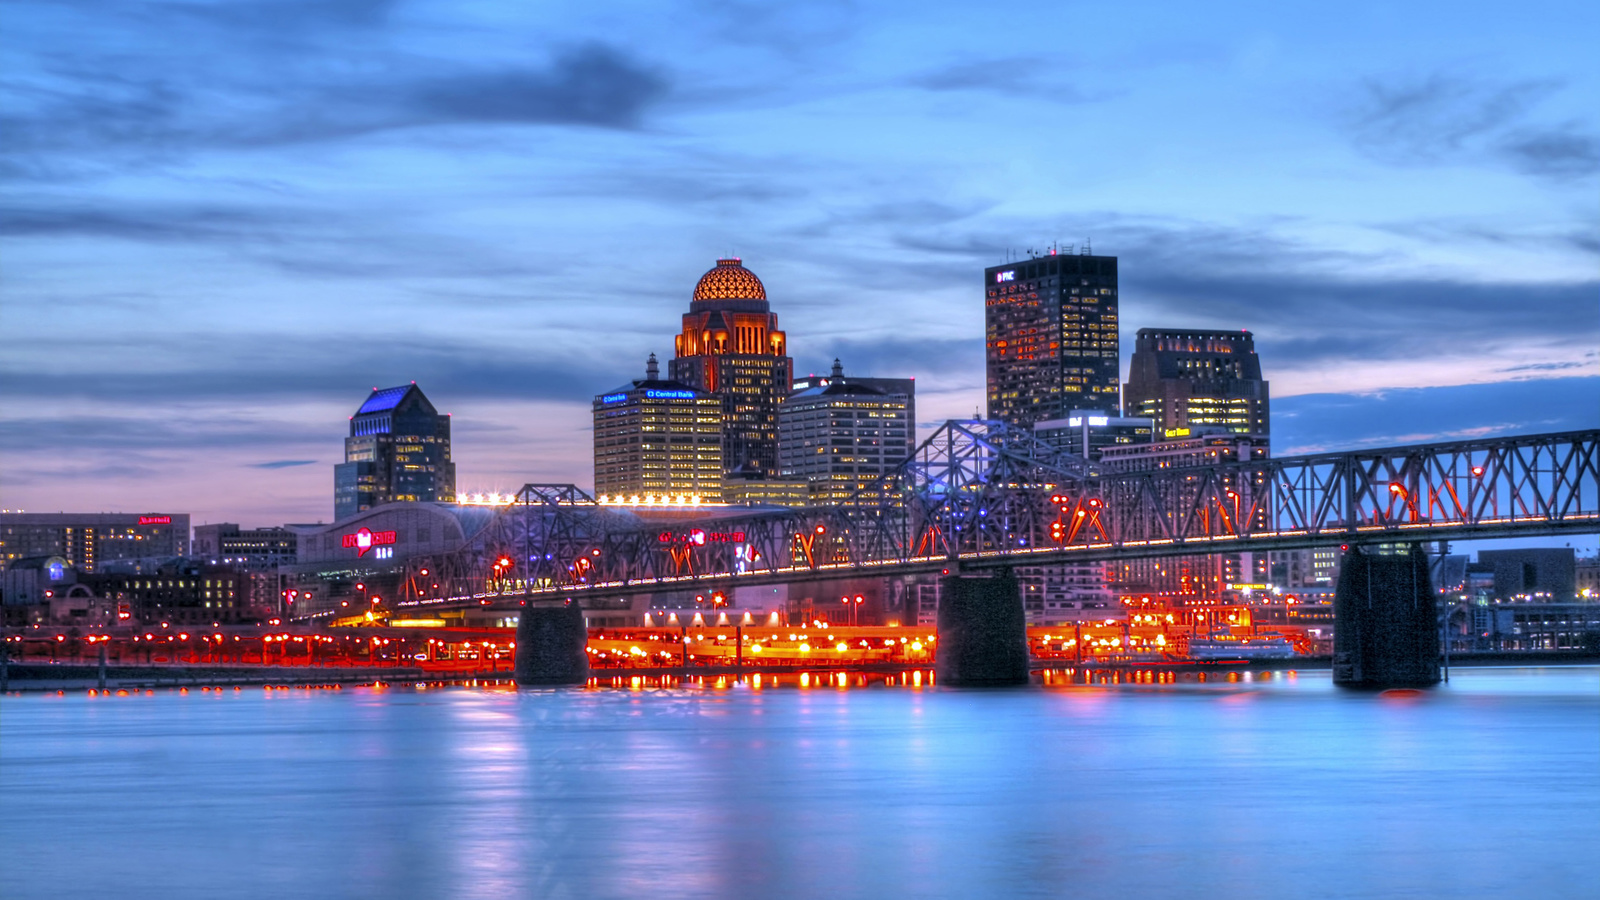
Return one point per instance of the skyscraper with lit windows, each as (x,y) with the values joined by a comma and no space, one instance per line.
(398,449)
(1193,381)
(656,437)
(1051,337)
(730,346)
(844,433)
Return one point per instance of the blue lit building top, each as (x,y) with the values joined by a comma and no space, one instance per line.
(384,399)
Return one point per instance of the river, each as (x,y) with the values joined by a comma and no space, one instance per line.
(1274,785)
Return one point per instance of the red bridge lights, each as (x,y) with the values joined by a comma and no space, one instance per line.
(1477,471)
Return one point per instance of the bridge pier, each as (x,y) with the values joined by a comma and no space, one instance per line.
(983,633)
(552,646)
(1385,619)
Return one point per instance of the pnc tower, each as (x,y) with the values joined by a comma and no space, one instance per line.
(1051,337)
(731,347)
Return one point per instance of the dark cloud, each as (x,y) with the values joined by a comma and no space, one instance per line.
(54,217)
(590,85)
(896,357)
(277,16)
(1308,305)
(110,112)
(1561,154)
(283,464)
(1312,423)
(1457,233)
(1022,76)
(136,432)
(252,369)
(1445,118)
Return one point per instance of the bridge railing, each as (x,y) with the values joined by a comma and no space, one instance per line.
(983,491)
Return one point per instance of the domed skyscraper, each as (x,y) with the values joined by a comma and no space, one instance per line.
(731,347)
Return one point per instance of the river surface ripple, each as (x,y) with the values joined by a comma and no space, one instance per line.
(1276,786)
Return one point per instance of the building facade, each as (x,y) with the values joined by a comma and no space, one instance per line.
(655,437)
(1085,432)
(1188,379)
(90,542)
(844,434)
(1192,578)
(1051,337)
(398,450)
(255,552)
(730,346)
(359,562)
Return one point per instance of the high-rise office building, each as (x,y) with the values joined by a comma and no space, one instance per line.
(1190,381)
(1086,432)
(92,542)
(1194,578)
(654,436)
(398,449)
(843,434)
(1051,337)
(730,346)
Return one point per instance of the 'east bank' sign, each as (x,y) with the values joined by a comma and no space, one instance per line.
(365,540)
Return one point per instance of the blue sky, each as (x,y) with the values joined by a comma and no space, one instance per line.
(224,222)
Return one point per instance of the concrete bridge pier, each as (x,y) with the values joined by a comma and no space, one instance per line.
(552,646)
(1385,619)
(983,634)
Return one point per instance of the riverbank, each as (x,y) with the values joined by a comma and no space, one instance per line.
(78,677)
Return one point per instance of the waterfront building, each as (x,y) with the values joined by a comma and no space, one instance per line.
(730,346)
(845,433)
(655,437)
(1186,379)
(1301,569)
(1051,337)
(743,491)
(398,450)
(178,591)
(256,552)
(1586,578)
(1085,432)
(1547,574)
(91,542)
(1191,578)
(379,556)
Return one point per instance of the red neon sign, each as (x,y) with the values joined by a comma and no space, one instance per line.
(699,537)
(365,540)
(155,520)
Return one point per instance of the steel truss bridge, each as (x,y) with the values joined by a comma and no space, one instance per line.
(981,493)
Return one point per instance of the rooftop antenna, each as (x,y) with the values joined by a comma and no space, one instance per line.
(1086,250)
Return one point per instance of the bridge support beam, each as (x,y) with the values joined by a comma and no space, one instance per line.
(983,634)
(1385,619)
(552,646)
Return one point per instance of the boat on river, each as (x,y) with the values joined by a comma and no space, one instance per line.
(1231,647)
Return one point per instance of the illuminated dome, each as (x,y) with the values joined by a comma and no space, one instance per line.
(729,281)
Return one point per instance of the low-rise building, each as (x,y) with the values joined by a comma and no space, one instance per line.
(91,541)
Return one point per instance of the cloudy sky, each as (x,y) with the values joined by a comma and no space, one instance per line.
(224,223)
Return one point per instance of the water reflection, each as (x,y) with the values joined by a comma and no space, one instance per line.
(806,784)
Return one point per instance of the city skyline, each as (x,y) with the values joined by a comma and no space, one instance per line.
(201,275)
